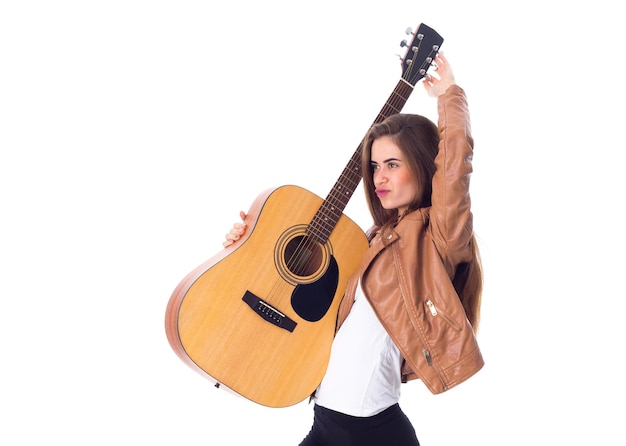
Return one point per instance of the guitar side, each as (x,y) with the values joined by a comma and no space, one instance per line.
(212,325)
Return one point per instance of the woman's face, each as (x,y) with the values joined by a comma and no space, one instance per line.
(394,186)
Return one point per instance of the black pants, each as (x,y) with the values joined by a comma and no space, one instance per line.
(391,427)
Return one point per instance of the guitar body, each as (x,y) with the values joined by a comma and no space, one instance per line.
(254,320)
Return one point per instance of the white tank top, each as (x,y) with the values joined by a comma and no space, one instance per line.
(363,375)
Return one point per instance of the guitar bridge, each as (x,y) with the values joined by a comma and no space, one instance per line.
(269,313)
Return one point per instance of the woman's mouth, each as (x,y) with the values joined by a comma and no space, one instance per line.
(380,193)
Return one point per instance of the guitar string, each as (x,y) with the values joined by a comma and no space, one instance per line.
(300,262)
(349,175)
(322,223)
(329,213)
(397,106)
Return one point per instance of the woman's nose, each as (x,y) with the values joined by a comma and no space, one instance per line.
(379,177)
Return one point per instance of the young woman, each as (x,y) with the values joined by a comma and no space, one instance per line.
(412,309)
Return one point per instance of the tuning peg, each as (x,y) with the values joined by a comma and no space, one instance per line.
(408,32)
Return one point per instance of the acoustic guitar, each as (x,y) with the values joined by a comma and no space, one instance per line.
(259,317)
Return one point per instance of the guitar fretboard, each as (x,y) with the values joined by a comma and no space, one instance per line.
(332,208)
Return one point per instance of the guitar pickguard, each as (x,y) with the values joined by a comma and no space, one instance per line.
(312,300)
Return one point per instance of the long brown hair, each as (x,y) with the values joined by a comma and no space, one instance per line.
(418,139)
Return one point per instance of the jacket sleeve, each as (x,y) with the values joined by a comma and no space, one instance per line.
(450,214)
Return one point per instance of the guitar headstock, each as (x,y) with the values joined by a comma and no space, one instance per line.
(420,53)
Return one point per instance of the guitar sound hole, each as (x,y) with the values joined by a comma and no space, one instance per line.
(303,256)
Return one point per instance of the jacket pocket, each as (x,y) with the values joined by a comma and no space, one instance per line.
(437,313)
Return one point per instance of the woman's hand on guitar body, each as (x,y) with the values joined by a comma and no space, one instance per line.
(236,231)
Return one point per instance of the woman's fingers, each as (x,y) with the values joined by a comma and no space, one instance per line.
(236,231)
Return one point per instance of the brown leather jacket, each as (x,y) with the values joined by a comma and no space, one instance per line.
(407,272)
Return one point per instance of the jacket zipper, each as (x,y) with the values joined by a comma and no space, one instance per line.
(426,353)
(436,312)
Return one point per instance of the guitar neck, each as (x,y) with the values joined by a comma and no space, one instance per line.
(331,210)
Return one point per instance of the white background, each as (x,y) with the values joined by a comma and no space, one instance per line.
(132,132)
